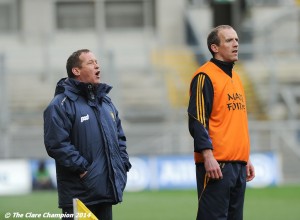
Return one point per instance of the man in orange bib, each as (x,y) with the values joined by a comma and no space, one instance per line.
(219,125)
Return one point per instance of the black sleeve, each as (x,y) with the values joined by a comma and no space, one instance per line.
(199,110)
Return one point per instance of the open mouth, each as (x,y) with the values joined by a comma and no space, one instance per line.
(98,73)
(235,53)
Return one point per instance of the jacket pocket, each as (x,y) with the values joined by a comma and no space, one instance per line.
(96,181)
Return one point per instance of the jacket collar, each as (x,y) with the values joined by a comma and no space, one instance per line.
(74,88)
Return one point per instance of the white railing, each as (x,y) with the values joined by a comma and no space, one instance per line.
(275,135)
(270,2)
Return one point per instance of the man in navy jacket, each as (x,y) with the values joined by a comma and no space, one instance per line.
(83,133)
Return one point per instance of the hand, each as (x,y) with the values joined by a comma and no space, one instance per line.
(250,171)
(83,174)
(211,165)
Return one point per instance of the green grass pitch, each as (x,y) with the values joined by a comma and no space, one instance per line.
(274,203)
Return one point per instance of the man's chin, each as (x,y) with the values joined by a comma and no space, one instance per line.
(235,59)
(97,81)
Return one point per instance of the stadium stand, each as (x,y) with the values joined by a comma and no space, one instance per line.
(152,90)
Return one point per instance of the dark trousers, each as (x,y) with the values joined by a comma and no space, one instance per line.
(221,199)
(102,212)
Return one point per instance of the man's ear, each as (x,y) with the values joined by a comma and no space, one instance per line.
(214,48)
(75,71)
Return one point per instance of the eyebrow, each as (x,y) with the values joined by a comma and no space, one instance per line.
(93,60)
(233,38)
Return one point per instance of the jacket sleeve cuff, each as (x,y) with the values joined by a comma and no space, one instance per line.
(83,167)
(198,148)
(127,166)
